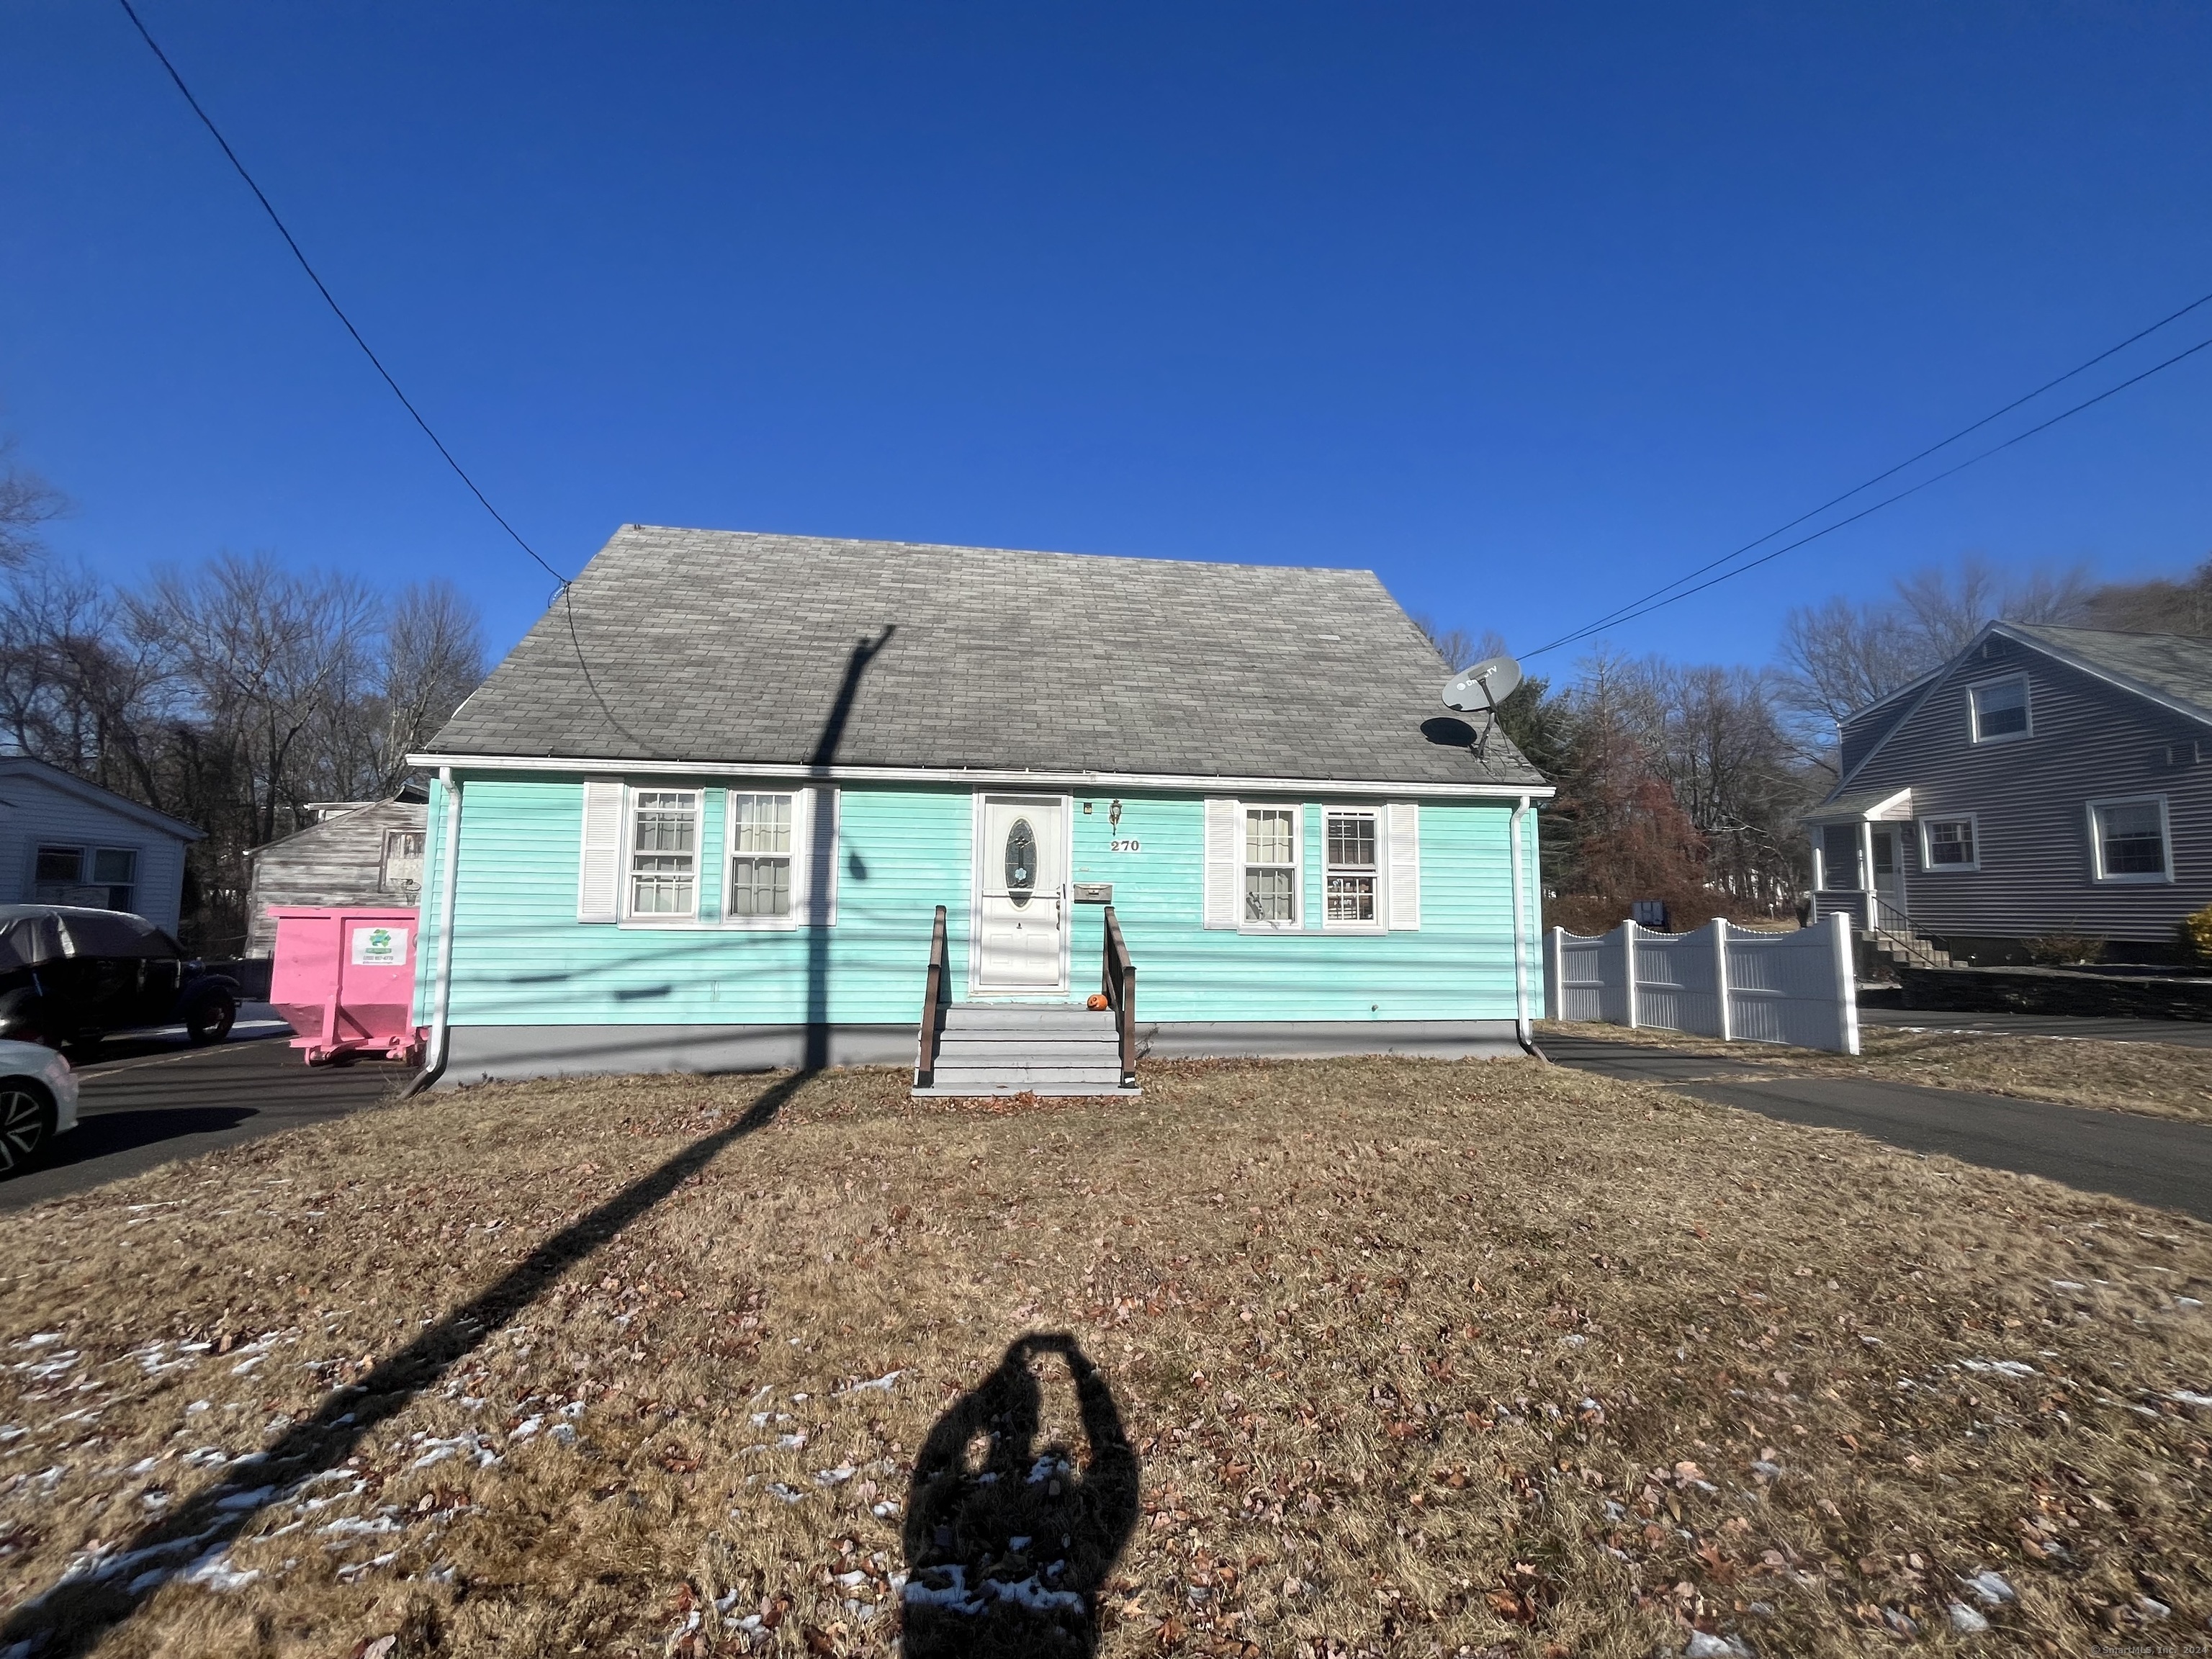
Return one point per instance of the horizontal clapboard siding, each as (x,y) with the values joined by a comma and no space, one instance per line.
(337,861)
(39,814)
(521,957)
(2091,741)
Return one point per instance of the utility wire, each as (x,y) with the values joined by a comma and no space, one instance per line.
(335,309)
(1634,605)
(1643,609)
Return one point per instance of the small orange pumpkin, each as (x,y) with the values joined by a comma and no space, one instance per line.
(1097,1001)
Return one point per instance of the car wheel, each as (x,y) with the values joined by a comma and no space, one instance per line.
(26,1123)
(209,1019)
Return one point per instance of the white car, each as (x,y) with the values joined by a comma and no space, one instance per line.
(37,1101)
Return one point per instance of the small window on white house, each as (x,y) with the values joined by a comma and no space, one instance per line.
(2130,840)
(664,852)
(1352,871)
(1271,867)
(760,857)
(1949,844)
(2000,709)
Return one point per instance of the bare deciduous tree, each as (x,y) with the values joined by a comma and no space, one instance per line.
(27,500)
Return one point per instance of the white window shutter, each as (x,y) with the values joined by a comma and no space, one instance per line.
(1224,846)
(599,886)
(1405,902)
(818,902)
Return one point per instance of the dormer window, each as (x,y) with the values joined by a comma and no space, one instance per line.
(1999,708)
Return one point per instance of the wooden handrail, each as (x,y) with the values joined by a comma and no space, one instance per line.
(937,995)
(1120,986)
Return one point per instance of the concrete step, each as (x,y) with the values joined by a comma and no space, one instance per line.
(977,1051)
(1042,1091)
(989,1048)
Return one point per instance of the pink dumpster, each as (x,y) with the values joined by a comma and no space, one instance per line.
(345,980)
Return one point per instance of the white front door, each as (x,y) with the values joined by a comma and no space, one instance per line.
(1889,866)
(1021,894)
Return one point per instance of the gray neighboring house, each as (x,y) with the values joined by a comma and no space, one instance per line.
(354,853)
(2045,781)
(64,840)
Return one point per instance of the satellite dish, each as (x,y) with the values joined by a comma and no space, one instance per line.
(1480,689)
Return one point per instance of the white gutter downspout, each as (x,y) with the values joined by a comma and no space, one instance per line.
(1523,1033)
(441,985)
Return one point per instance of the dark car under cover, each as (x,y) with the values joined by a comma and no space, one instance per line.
(69,974)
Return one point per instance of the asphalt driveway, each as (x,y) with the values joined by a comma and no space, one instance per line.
(2147,1159)
(2188,1033)
(149,1100)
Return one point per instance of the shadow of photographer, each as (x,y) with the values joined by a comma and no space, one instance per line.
(1008,1555)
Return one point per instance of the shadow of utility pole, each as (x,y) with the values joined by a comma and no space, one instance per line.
(73,1617)
(822,849)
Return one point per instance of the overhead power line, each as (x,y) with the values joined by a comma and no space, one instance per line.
(1644,606)
(336,310)
(1652,602)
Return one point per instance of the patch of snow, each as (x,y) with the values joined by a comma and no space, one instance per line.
(789,1494)
(2191,1397)
(213,1571)
(1964,1622)
(1703,1644)
(883,1384)
(2001,1367)
(2062,1285)
(843,1472)
(524,1429)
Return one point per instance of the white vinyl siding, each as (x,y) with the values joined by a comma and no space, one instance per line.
(2129,840)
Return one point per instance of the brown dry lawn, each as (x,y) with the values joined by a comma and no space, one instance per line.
(2158,1079)
(1416,1359)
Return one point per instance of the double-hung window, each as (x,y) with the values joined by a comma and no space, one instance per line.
(1271,867)
(664,854)
(1354,870)
(1999,708)
(761,838)
(1949,844)
(2130,840)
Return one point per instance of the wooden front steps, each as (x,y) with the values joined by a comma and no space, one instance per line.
(1012,1048)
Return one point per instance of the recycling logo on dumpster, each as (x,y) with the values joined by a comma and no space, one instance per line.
(379,947)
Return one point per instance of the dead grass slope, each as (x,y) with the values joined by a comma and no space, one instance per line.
(1417,1357)
(2158,1079)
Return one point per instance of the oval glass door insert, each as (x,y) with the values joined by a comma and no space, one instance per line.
(1021,862)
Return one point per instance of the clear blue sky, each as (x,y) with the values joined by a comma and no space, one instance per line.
(1523,307)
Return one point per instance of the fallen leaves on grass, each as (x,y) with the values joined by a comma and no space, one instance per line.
(1476,1358)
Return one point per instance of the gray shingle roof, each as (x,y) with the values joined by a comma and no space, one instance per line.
(2171,664)
(720,646)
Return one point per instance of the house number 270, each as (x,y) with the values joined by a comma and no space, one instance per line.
(1127,846)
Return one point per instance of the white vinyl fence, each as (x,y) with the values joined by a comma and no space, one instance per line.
(1723,981)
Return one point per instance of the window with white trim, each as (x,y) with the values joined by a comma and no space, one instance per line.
(1949,844)
(2130,840)
(761,832)
(664,854)
(1353,874)
(1999,708)
(1271,867)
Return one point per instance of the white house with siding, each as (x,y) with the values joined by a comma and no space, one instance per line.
(64,840)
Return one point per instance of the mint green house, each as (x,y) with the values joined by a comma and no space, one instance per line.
(745,800)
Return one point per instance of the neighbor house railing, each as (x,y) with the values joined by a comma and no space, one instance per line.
(936,998)
(1734,983)
(1119,984)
